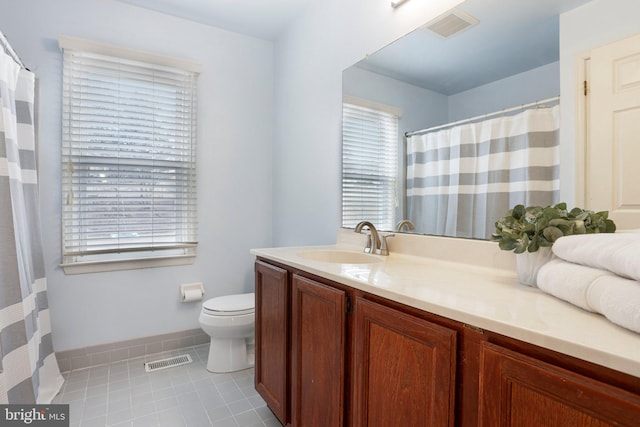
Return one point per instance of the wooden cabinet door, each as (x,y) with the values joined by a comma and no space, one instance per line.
(318,331)
(272,342)
(517,390)
(403,370)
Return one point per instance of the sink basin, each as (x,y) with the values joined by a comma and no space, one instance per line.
(340,257)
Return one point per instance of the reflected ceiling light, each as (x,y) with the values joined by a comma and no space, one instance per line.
(397,3)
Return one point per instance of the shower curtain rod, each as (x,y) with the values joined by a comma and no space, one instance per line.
(483,116)
(6,46)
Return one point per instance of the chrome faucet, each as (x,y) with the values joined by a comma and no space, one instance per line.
(373,239)
(406,222)
(376,244)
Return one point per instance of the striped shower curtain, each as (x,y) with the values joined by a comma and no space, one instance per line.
(462,179)
(28,368)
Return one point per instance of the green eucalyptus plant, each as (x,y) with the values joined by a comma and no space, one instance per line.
(528,229)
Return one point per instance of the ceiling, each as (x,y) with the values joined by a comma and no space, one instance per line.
(512,36)
(264,19)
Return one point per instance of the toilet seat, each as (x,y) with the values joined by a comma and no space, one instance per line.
(230,305)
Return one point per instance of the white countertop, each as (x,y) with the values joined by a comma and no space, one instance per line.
(486,297)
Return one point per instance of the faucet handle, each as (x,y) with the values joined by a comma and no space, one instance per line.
(384,249)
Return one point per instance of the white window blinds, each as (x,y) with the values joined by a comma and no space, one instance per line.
(128,158)
(369,166)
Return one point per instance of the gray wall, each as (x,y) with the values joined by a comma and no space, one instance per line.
(309,59)
(235,113)
(533,85)
(424,108)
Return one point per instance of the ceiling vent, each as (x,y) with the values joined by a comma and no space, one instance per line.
(450,23)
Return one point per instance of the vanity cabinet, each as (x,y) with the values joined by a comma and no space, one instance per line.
(403,369)
(517,390)
(328,355)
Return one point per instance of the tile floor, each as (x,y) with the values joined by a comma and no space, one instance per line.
(123,394)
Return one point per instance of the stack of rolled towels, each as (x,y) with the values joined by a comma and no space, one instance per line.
(599,273)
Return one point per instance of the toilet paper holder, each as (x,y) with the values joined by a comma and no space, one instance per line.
(191,292)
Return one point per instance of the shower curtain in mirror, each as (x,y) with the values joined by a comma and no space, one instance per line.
(462,179)
(29,371)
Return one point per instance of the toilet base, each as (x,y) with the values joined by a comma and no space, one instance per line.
(229,355)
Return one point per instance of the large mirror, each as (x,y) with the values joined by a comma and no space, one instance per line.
(486,59)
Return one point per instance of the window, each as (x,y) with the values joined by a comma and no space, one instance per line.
(128,157)
(369,166)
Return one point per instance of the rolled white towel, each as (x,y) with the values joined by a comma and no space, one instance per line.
(615,252)
(617,299)
(569,282)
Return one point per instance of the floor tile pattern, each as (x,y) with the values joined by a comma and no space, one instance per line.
(123,394)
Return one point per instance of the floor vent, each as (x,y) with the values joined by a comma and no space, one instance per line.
(170,362)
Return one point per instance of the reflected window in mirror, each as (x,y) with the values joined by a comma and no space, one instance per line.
(369,165)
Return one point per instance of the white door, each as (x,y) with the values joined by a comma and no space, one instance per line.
(613,152)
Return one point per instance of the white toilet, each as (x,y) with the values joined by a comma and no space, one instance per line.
(230,322)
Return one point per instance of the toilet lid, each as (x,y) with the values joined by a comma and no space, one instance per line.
(229,305)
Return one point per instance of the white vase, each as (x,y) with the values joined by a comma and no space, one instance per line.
(528,264)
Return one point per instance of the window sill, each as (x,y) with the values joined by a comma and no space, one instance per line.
(128,264)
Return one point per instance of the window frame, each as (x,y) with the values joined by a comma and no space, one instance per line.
(154,254)
(388,172)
